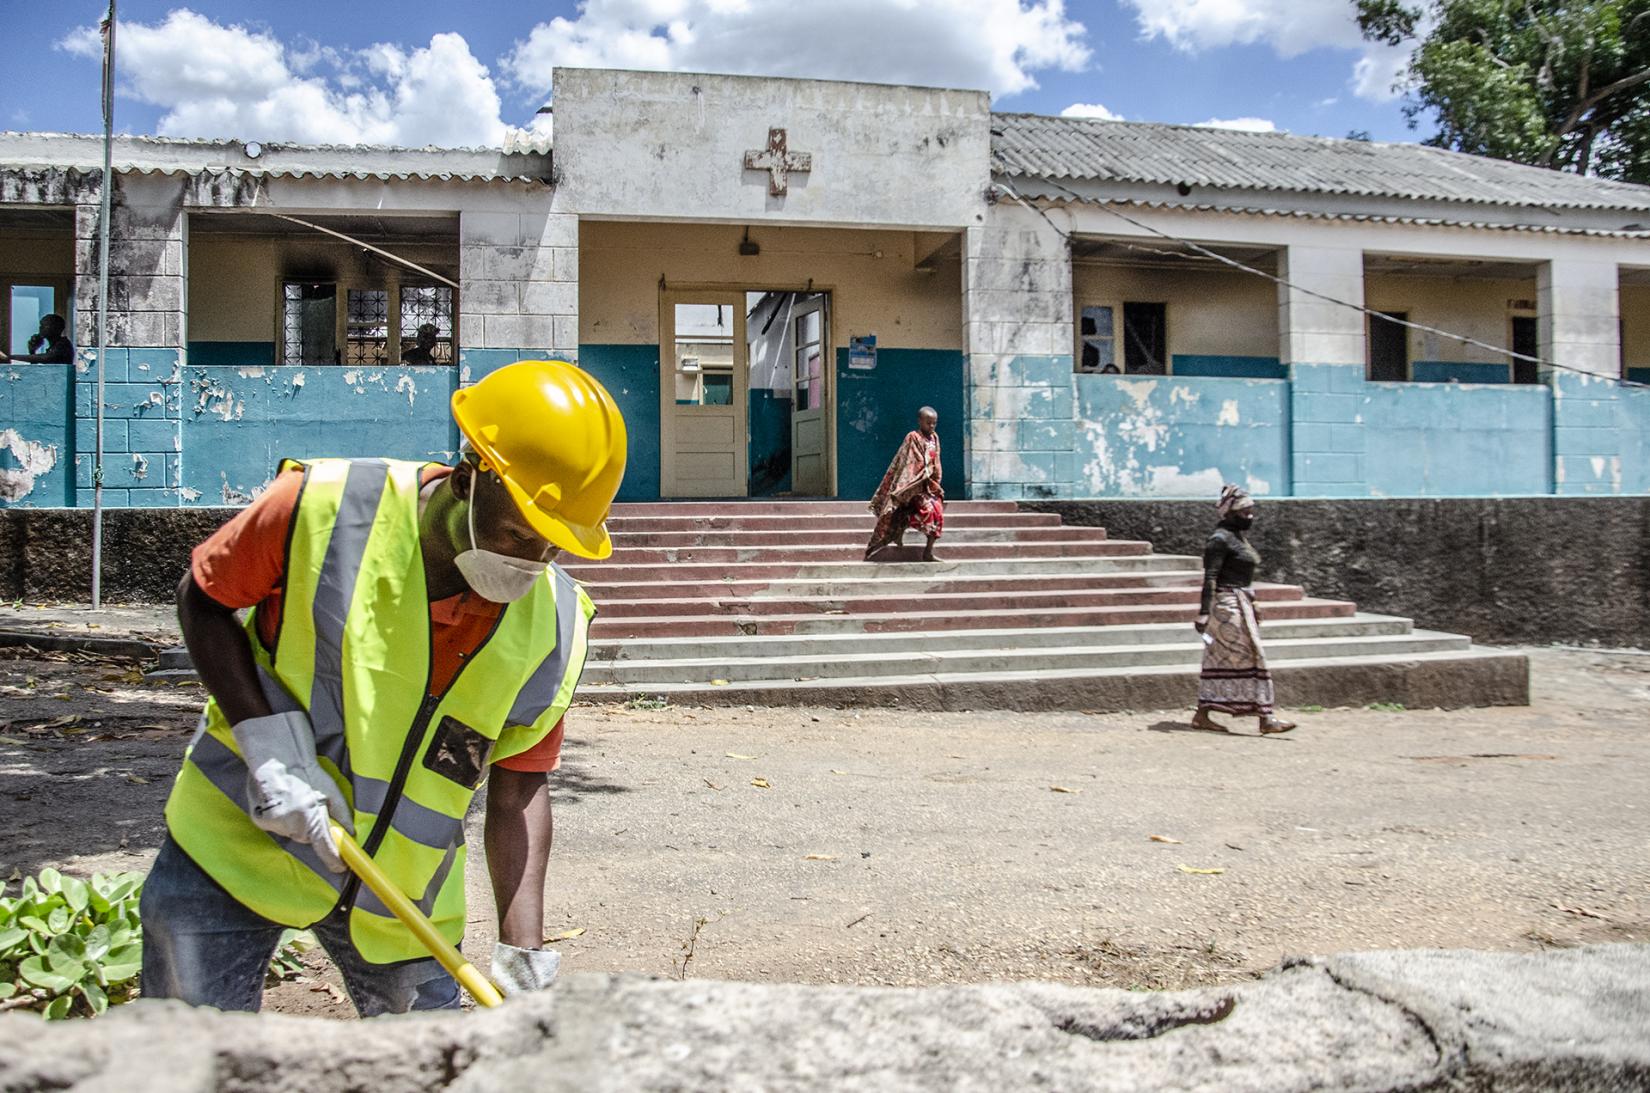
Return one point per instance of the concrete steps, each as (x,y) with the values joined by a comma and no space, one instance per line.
(753,602)
(747,602)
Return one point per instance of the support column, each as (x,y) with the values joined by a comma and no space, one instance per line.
(1580,327)
(1018,338)
(143,372)
(1322,343)
(519,289)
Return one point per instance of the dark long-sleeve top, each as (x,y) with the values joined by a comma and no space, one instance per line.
(1228,562)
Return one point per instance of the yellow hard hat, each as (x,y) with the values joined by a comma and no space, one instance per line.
(557,439)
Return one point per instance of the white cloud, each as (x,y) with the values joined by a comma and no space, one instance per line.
(1090,110)
(997,45)
(1376,75)
(1289,26)
(217,80)
(1247,125)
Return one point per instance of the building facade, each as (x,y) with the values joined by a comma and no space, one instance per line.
(772,276)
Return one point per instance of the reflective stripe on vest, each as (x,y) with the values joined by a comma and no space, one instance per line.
(354,637)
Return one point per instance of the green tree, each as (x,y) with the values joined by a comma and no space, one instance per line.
(1556,84)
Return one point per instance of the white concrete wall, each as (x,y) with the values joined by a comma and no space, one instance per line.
(1017,295)
(871,275)
(672,146)
(235,280)
(146,268)
(1579,316)
(1210,312)
(1313,329)
(519,280)
(1477,308)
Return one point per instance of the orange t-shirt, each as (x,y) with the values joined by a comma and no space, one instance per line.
(243,564)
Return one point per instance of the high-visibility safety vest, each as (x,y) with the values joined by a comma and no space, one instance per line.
(353,651)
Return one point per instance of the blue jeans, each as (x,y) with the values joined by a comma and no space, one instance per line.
(201,945)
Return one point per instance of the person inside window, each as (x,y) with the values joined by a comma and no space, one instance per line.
(50,346)
(424,351)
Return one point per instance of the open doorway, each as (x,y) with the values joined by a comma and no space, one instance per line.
(747,386)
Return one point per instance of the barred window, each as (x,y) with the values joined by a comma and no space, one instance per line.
(367,329)
(427,313)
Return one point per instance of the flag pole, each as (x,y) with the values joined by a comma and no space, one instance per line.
(107,188)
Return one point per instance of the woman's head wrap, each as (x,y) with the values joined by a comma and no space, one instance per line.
(1233,498)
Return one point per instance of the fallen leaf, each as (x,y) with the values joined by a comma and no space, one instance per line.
(566,935)
(711,784)
(1164,839)
(954,756)
(332,992)
(1581,911)
(12,740)
(718,683)
(137,779)
(820,857)
(834,771)
(133,675)
(736,755)
(760,783)
(1201,872)
(1063,789)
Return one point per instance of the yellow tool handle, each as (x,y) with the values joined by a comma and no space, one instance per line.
(468,975)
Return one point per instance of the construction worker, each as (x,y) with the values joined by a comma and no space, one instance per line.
(408,638)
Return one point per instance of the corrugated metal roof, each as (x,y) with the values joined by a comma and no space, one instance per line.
(1380,218)
(1088,149)
(157,155)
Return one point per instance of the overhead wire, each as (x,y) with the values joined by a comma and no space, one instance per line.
(1207,253)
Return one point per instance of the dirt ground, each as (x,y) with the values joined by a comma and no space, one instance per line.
(832,846)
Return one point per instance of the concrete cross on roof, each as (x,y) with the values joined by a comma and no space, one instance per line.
(779,162)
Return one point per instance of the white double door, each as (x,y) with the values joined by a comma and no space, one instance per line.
(704,380)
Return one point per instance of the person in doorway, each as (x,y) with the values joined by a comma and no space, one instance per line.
(423,352)
(49,346)
(910,495)
(408,639)
(1235,679)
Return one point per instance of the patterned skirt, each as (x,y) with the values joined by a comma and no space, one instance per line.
(1234,680)
(924,513)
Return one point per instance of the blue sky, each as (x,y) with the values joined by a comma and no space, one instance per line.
(422,71)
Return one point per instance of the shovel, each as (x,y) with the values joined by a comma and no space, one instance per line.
(468,975)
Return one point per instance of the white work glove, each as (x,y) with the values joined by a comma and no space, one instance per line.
(517,971)
(291,795)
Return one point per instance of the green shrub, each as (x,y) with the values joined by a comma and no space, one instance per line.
(71,947)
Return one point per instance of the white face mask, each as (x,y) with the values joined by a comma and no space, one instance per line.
(493,576)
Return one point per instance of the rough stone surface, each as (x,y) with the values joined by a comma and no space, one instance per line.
(1423,1020)
(1501,570)
(46,554)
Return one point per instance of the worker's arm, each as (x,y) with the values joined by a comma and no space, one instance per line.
(518,834)
(221,652)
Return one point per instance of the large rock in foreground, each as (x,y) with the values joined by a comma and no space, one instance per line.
(1573,1020)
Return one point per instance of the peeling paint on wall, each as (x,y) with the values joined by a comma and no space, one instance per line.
(34,460)
(1228,413)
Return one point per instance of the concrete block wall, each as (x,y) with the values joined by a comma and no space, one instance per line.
(1181,436)
(1019,389)
(519,289)
(142,442)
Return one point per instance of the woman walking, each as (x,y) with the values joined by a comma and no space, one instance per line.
(910,495)
(1234,679)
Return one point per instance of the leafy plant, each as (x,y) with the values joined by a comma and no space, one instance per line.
(288,961)
(70,947)
(73,948)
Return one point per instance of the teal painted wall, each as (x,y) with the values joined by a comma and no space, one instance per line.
(769,446)
(1193,364)
(239,423)
(1457,439)
(1353,438)
(36,435)
(877,407)
(631,374)
(215,354)
(1181,436)
(142,448)
(1459,372)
